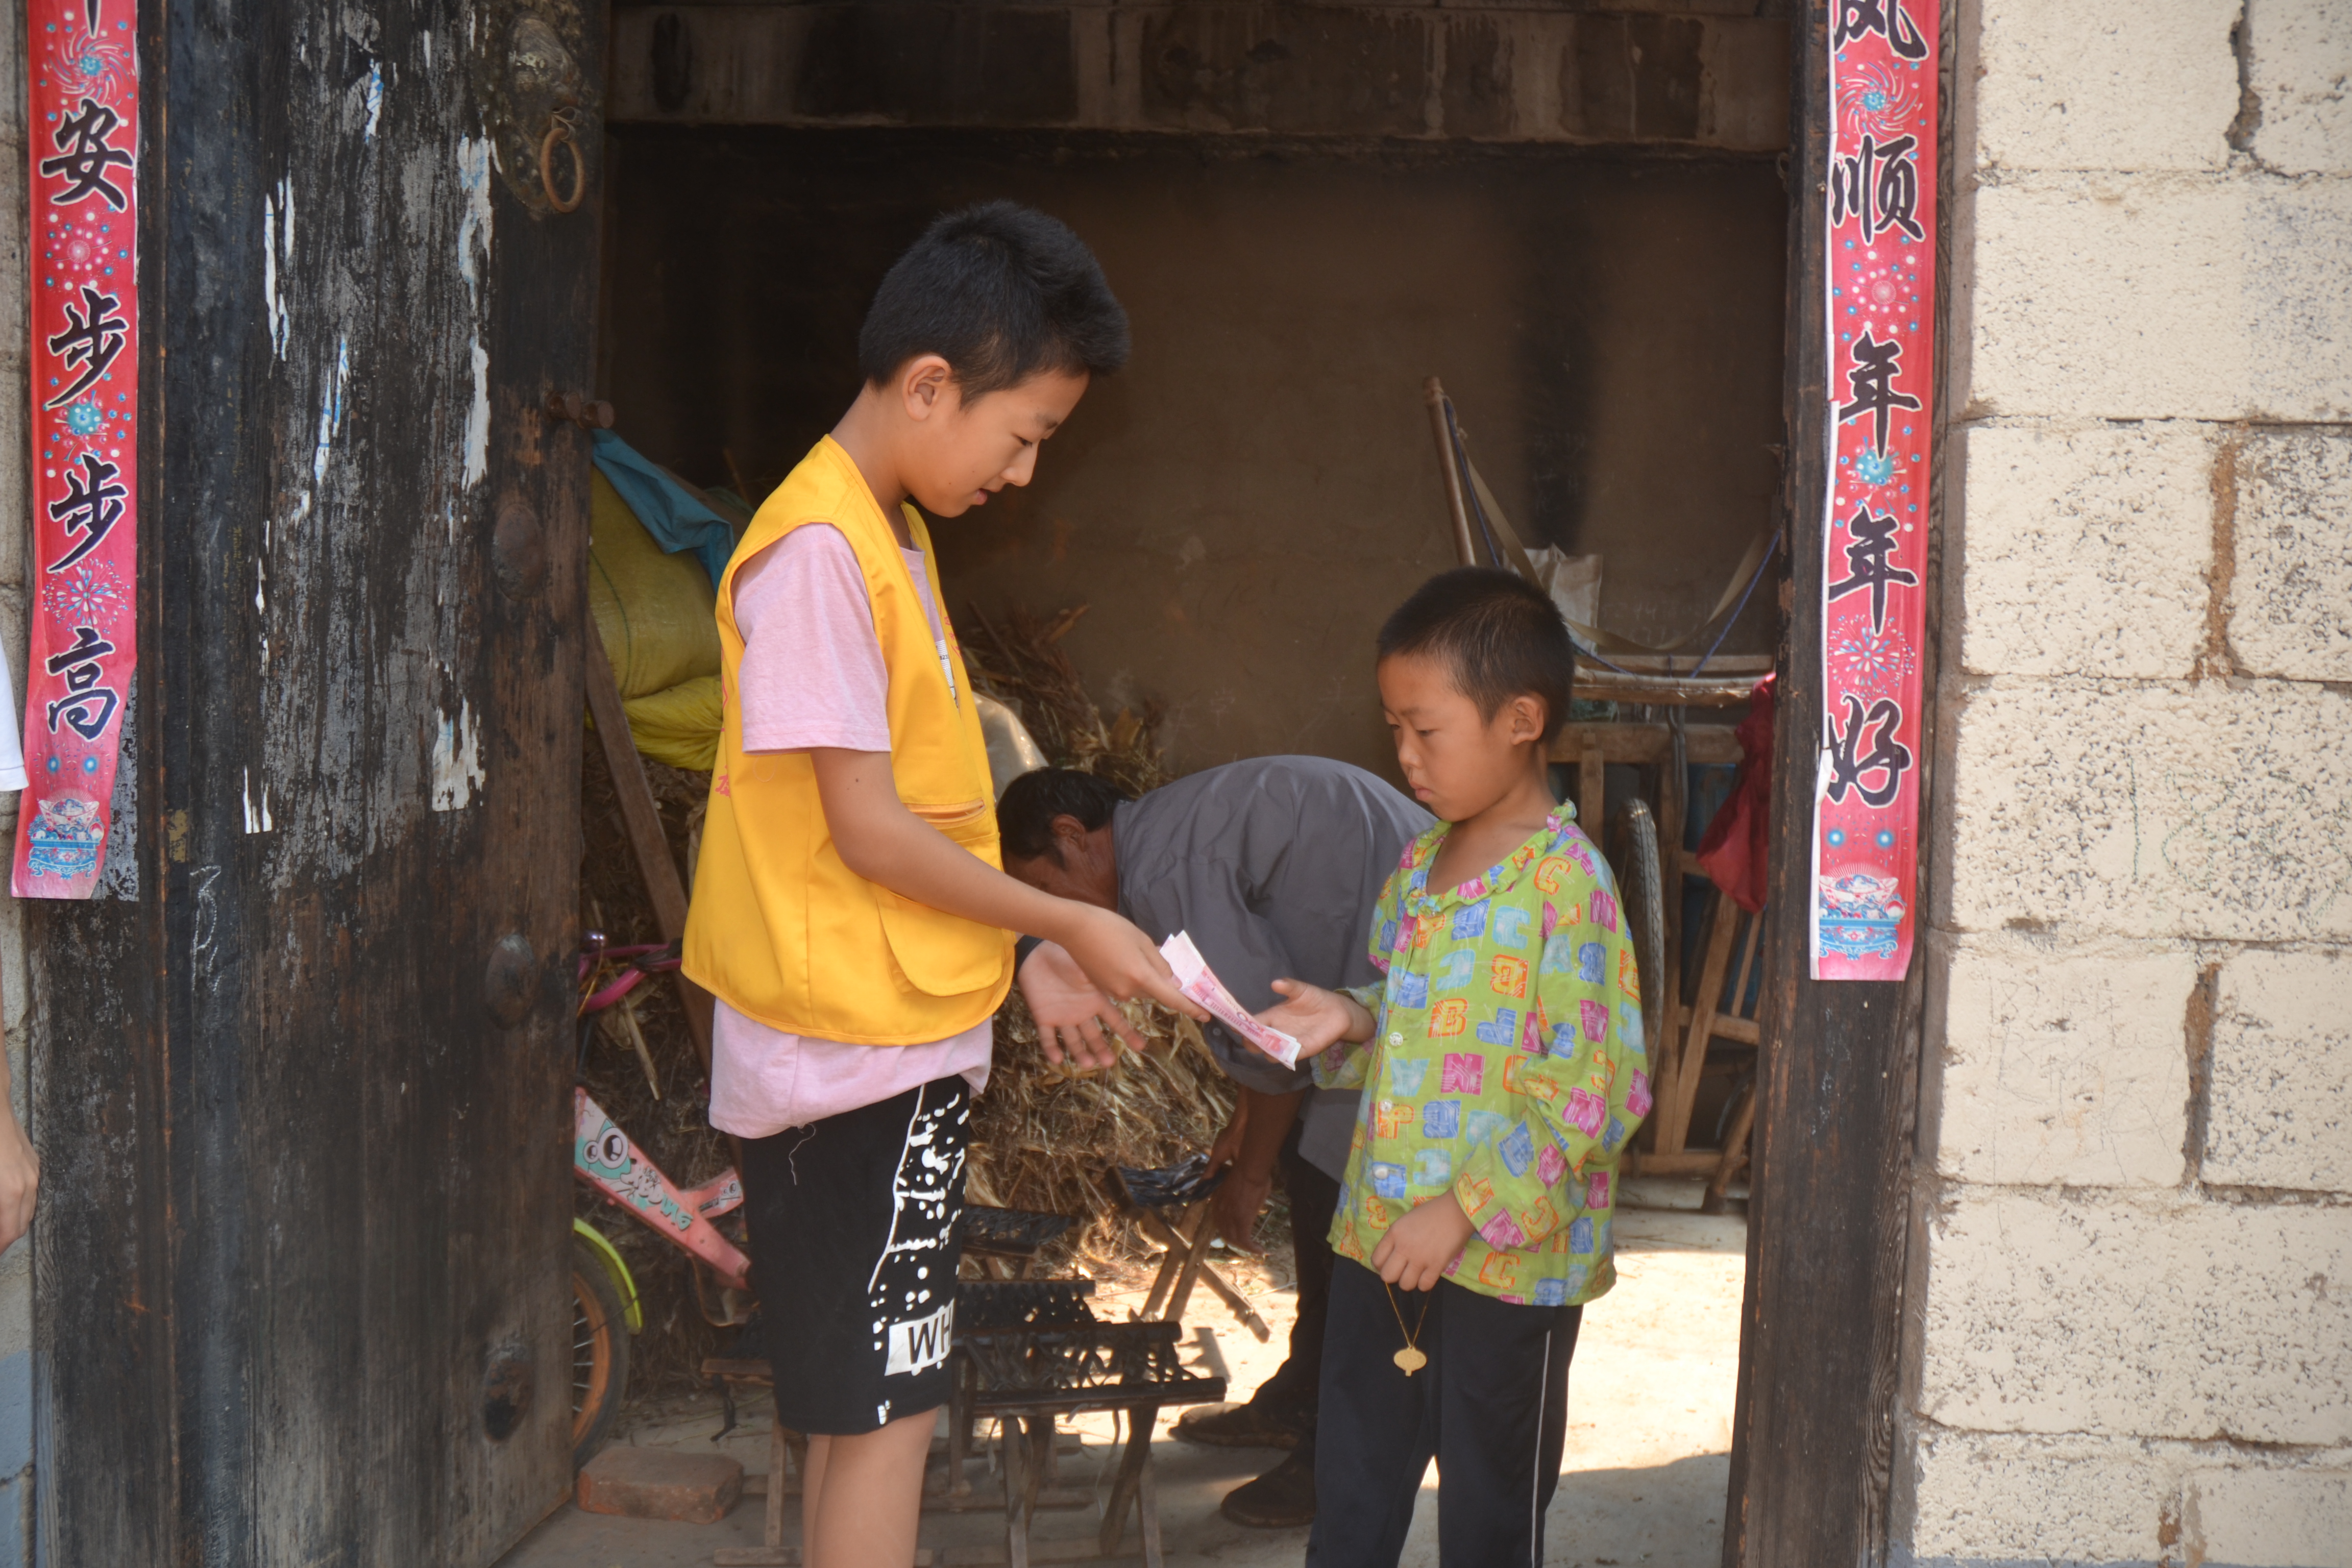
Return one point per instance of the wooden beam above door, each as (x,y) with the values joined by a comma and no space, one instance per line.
(1673,73)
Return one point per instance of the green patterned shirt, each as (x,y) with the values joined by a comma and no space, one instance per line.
(1507,1066)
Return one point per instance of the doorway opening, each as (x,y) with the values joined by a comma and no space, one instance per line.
(1238,509)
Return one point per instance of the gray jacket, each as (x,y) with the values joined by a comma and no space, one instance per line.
(1274,865)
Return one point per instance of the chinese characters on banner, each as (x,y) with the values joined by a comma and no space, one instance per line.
(1882,296)
(84,124)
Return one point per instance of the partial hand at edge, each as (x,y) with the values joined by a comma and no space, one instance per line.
(20,1177)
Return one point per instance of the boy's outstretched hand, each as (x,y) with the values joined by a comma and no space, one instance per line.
(1420,1248)
(1318,1019)
(879,840)
(1122,962)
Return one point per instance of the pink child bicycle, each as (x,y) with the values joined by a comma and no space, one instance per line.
(605,1310)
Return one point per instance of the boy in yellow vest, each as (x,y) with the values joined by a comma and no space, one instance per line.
(849,911)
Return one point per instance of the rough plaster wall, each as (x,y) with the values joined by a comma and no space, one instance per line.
(2136,1344)
(16,1265)
(1243,504)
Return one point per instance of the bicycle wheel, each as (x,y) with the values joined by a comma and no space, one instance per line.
(1641,879)
(600,1354)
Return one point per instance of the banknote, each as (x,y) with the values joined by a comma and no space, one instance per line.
(1196,980)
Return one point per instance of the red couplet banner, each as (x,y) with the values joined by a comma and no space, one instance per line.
(84,144)
(1882,334)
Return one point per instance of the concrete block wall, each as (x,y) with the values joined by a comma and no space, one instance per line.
(2134,1331)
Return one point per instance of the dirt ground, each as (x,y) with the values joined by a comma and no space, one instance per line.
(1642,1482)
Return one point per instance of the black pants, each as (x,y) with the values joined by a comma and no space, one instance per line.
(1491,1407)
(1314,1197)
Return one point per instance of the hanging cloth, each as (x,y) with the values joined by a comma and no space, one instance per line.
(677,520)
(1733,852)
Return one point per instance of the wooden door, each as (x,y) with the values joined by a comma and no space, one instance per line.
(301,1276)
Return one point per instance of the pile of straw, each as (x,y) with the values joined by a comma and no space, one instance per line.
(1023,667)
(1044,1137)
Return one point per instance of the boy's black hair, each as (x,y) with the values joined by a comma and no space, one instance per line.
(1024,816)
(1501,634)
(1000,291)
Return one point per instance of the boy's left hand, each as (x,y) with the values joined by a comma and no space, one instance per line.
(1418,1249)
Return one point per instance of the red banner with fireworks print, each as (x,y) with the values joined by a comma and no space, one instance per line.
(84,125)
(1882,333)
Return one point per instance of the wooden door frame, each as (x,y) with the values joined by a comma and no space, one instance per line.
(160,1048)
(1825,1319)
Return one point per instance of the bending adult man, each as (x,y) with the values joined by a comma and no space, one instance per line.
(1274,865)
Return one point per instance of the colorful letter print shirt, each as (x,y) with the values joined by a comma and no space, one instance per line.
(1508,1067)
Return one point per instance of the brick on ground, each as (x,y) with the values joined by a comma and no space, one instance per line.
(661,1483)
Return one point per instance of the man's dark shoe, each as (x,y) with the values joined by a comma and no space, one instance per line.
(1238,1426)
(1282,1498)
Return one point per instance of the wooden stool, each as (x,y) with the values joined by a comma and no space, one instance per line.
(985,1305)
(1163,1202)
(787,1450)
(980,1303)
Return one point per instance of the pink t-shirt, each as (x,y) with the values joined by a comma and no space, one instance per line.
(813,676)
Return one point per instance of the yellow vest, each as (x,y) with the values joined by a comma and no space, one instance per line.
(780,929)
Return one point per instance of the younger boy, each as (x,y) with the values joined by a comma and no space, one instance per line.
(1503,1072)
(848,910)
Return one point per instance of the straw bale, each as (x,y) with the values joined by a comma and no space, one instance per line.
(1044,1138)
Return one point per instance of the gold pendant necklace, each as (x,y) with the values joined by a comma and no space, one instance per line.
(1413,1358)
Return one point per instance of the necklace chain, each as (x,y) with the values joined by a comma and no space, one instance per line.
(1412,1335)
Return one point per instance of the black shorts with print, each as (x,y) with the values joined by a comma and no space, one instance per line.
(853,1251)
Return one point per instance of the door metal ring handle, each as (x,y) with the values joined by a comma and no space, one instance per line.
(558,131)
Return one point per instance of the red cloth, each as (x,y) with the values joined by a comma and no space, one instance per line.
(1733,852)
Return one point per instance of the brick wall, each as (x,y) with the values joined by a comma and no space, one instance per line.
(2135,1342)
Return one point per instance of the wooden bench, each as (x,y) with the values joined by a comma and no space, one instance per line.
(1029,1377)
(1026,1351)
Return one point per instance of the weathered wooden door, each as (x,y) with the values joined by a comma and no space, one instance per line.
(301,1293)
